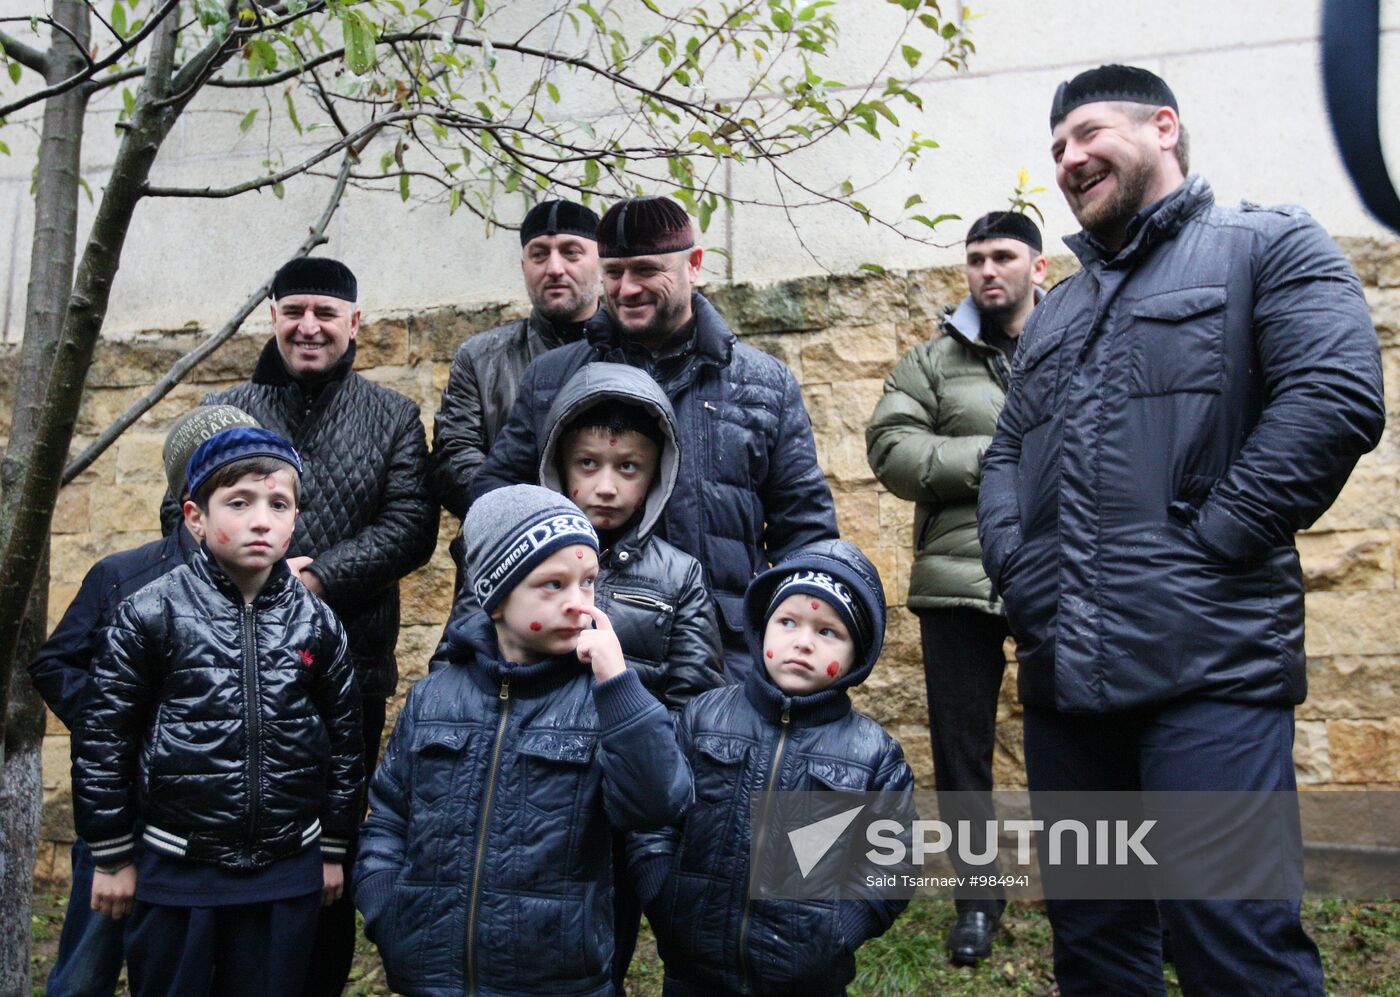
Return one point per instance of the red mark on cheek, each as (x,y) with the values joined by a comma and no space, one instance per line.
(612,442)
(769,653)
(832,669)
(814,605)
(537,626)
(286,543)
(574,493)
(270,481)
(221,537)
(578,553)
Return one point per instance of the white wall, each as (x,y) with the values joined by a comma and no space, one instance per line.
(1245,74)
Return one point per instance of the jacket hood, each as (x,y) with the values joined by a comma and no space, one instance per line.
(845,563)
(966,319)
(596,382)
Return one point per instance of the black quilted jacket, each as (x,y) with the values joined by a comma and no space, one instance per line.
(749,490)
(366,516)
(239,724)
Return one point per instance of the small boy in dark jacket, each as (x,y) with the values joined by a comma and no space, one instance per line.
(815,626)
(611,447)
(485,866)
(223,693)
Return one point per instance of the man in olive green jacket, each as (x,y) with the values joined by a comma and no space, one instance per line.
(925,443)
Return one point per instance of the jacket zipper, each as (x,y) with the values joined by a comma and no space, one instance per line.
(485,826)
(774,766)
(251,699)
(637,599)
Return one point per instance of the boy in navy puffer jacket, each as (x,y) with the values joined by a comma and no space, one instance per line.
(815,626)
(485,866)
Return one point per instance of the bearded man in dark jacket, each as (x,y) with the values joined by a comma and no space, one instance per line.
(367,518)
(559,261)
(749,489)
(1195,394)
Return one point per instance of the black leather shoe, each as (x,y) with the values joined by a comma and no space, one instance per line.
(970,941)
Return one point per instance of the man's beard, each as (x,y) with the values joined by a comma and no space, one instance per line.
(1109,217)
(665,320)
(1011,302)
(564,309)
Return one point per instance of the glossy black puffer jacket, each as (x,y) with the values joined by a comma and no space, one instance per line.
(694,877)
(485,866)
(239,724)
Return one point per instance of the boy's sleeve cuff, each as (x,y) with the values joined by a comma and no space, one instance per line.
(374,892)
(620,698)
(648,876)
(113,851)
(858,923)
(334,849)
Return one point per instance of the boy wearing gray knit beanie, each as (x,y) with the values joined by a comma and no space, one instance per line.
(508,771)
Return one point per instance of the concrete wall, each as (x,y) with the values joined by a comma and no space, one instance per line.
(840,336)
(1245,73)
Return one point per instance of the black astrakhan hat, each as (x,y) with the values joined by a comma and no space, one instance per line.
(644,226)
(315,275)
(1006,225)
(1129,83)
(559,218)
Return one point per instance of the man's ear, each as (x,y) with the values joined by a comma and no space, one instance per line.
(1039,266)
(354,323)
(692,262)
(194,518)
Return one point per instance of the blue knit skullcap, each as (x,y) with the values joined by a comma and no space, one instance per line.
(240,443)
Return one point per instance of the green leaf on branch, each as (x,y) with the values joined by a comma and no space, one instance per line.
(279,190)
(553,92)
(247,121)
(874,268)
(403,186)
(359,41)
(119,19)
(454,201)
(292,113)
(913,200)
(14,69)
(911,55)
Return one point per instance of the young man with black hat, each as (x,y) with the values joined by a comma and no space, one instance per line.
(925,443)
(1183,404)
(559,261)
(367,519)
(89,958)
(749,489)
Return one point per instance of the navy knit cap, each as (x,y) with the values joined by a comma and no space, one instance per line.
(1006,225)
(315,275)
(239,443)
(510,530)
(1127,83)
(644,226)
(806,581)
(559,218)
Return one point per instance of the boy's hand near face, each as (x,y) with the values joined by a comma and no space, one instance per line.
(113,892)
(598,647)
(332,882)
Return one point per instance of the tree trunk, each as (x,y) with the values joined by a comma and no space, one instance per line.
(50,280)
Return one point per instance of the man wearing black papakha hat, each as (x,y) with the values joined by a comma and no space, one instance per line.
(1198,392)
(366,516)
(925,443)
(749,489)
(559,260)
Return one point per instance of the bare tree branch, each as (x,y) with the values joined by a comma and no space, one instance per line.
(96,67)
(194,357)
(26,55)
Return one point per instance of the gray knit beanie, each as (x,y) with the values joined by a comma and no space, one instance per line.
(189,431)
(510,530)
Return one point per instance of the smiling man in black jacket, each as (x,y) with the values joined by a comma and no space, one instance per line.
(1178,408)
(367,519)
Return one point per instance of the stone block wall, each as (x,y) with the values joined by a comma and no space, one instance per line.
(840,335)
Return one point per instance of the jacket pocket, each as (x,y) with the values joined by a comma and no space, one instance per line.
(718,767)
(554,764)
(1178,342)
(836,776)
(1037,375)
(436,751)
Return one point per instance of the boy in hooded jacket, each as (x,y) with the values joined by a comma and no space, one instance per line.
(485,866)
(611,447)
(815,625)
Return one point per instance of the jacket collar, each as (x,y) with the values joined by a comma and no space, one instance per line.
(713,342)
(552,334)
(811,710)
(472,639)
(272,371)
(203,564)
(1179,207)
(965,322)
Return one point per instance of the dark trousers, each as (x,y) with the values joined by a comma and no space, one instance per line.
(89,956)
(333,949)
(963,665)
(627,914)
(225,951)
(1218,947)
